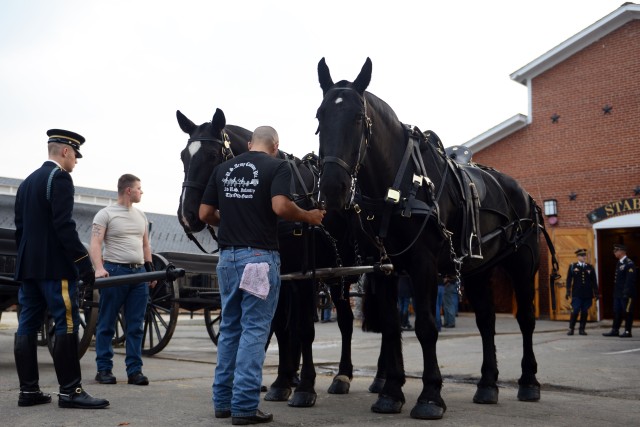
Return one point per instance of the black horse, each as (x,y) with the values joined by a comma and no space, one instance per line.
(414,205)
(301,249)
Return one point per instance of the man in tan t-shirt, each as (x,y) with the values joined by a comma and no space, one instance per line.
(123,230)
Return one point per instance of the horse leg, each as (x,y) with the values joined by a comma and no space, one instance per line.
(304,395)
(342,381)
(480,296)
(381,376)
(280,390)
(521,266)
(430,404)
(391,398)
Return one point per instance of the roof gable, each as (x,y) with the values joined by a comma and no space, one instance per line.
(616,19)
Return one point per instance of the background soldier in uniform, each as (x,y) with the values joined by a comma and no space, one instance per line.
(582,287)
(624,293)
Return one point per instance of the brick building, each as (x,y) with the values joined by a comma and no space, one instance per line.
(579,150)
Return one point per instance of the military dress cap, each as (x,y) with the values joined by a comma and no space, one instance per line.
(62,136)
(619,246)
(581,252)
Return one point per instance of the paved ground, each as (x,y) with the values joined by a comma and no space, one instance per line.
(586,381)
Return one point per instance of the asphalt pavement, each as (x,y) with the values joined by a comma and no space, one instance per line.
(586,380)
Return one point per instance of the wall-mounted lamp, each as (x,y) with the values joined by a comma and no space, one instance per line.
(551,211)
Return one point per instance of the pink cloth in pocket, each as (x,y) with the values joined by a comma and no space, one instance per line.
(255,279)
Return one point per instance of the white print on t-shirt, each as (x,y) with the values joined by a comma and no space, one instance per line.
(240,188)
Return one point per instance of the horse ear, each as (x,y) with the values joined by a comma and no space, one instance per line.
(219,121)
(186,125)
(324,76)
(364,78)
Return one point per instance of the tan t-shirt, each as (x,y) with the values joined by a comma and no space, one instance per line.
(125,228)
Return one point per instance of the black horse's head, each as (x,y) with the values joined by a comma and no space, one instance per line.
(209,145)
(344,128)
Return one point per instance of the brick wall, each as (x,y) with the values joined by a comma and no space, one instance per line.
(587,152)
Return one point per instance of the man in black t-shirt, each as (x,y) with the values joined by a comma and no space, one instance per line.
(244,196)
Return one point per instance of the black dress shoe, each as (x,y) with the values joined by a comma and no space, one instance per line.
(30,398)
(223,413)
(105,377)
(611,333)
(570,332)
(625,334)
(582,332)
(79,398)
(138,379)
(259,418)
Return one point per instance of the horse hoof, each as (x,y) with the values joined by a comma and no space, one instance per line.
(529,393)
(427,411)
(303,399)
(377,385)
(486,395)
(386,405)
(276,394)
(340,385)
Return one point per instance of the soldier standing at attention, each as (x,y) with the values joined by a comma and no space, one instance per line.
(49,262)
(624,293)
(582,287)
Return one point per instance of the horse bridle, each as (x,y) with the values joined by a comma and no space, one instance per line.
(227,153)
(362,152)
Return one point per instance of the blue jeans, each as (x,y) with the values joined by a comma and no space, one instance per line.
(403,308)
(244,330)
(59,296)
(326,313)
(439,306)
(134,298)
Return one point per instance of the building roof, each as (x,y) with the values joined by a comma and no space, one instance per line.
(616,19)
(166,233)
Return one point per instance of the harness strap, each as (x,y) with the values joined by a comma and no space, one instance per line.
(472,207)
(393,193)
(213,236)
(338,160)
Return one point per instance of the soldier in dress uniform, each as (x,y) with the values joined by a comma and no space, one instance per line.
(49,261)
(582,287)
(624,293)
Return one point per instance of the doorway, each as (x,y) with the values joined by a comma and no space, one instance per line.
(629,236)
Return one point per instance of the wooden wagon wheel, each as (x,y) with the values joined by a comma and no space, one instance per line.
(88,302)
(210,321)
(161,316)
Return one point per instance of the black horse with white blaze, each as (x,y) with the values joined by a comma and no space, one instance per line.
(427,214)
(302,248)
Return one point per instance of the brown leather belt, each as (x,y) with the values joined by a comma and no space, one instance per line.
(121,264)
